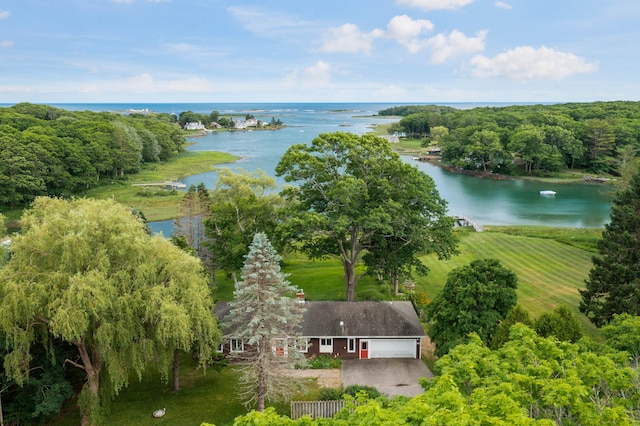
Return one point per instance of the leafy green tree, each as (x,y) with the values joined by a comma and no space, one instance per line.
(85,272)
(517,314)
(354,191)
(623,334)
(242,204)
(613,286)
(560,323)
(43,393)
(485,148)
(265,316)
(416,125)
(600,144)
(414,232)
(475,298)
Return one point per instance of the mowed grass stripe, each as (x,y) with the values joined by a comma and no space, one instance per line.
(549,273)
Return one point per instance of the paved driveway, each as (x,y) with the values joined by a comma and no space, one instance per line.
(390,376)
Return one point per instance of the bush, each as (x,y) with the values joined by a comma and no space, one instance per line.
(354,389)
(331,394)
(324,362)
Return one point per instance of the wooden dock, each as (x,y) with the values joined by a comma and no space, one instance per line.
(464,220)
(168,185)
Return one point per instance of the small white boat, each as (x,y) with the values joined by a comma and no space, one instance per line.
(547,192)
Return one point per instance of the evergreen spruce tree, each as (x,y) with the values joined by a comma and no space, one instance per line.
(613,286)
(267,319)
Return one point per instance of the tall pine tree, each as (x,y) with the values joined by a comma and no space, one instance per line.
(613,286)
(267,319)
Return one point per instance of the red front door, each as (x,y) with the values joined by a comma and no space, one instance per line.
(364,349)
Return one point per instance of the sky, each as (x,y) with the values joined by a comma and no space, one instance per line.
(427,51)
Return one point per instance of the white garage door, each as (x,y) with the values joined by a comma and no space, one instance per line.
(392,348)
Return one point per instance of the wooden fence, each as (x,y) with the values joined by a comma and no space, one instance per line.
(325,409)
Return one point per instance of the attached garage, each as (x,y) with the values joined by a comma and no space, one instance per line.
(392,348)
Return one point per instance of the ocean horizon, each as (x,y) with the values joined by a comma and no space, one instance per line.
(262,107)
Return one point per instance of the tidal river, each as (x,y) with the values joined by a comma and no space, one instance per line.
(489,202)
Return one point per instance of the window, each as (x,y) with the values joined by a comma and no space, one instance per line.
(236,345)
(280,347)
(221,347)
(351,345)
(302,344)
(326,345)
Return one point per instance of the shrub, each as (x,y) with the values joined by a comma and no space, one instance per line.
(354,389)
(331,394)
(324,362)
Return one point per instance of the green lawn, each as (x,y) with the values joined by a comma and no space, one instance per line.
(160,204)
(551,265)
(209,397)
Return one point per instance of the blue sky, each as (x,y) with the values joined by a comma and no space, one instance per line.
(54,51)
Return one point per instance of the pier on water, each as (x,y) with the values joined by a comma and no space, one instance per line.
(167,185)
(464,220)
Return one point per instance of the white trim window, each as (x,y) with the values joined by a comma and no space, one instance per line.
(326,345)
(280,346)
(302,344)
(351,345)
(236,345)
(221,347)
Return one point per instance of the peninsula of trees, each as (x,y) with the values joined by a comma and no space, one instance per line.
(599,138)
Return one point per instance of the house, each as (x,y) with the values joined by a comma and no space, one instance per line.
(350,330)
(194,126)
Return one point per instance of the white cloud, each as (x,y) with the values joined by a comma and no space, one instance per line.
(348,38)
(4,14)
(526,62)
(435,4)
(456,43)
(317,75)
(407,31)
(6,43)
(503,5)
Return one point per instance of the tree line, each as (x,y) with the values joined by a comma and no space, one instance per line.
(599,137)
(52,151)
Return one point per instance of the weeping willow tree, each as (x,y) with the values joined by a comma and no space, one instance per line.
(86,273)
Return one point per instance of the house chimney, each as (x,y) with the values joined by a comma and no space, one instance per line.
(300,296)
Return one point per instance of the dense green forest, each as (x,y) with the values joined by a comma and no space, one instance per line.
(600,137)
(52,151)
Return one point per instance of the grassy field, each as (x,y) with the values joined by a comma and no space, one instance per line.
(161,204)
(209,397)
(551,265)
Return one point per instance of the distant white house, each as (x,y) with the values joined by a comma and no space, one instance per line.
(194,126)
(252,122)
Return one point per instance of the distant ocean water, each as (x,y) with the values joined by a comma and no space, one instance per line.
(276,107)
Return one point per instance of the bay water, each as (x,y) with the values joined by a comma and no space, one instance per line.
(489,202)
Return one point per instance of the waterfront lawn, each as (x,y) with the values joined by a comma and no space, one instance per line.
(550,272)
(551,265)
(157,203)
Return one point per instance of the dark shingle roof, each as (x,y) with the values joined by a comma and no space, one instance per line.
(359,319)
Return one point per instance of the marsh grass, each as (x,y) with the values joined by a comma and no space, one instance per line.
(156,203)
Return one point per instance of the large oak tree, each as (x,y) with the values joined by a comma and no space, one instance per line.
(85,272)
(352,194)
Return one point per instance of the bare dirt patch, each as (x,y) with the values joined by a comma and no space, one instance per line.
(329,378)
